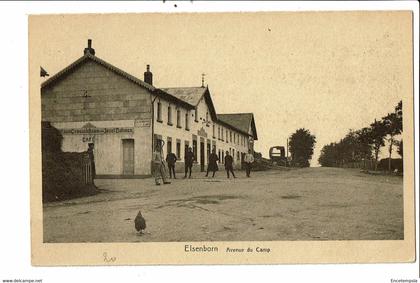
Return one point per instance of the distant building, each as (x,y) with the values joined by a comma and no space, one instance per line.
(93,101)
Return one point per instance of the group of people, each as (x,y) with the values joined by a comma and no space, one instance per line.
(159,166)
(159,169)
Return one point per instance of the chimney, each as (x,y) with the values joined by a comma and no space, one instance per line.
(148,76)
(89,49)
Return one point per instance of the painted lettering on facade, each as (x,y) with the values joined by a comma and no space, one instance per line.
(96,131)
(143,123)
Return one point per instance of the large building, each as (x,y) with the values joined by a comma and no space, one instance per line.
(92,101)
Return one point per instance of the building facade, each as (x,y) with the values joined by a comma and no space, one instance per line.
(92,101)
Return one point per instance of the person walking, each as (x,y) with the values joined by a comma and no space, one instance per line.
(158,166)
(91,147)
(212,166)
(188,160)
(171,160)
(249,159)
(229,164)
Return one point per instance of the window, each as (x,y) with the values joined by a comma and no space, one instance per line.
(169,115)
(222,133)
(237,155)
(159,112)
(178,149)
(214,131)
(169,145)
(227,136)
(158,140)
(223,156)
(218,133)
(230,136)
(219,156)
(196,114)
(187,121)
(178,118)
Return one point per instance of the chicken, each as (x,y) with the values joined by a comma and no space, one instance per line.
(140,223)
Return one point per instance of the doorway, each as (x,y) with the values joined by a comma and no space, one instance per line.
(202,156)
(128,156)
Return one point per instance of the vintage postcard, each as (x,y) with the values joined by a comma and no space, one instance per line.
(222,138)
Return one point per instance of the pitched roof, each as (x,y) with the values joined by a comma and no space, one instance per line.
(240,121)
(88,56)
(191,95)
(107,65)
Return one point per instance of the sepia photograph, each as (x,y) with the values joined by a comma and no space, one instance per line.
(212,130)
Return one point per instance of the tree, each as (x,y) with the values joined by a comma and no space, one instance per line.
(329,155)
(301,146)
(352,148)
(400,148)
(376,138)
(393,127)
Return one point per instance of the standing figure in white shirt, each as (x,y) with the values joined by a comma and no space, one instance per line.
(249,159)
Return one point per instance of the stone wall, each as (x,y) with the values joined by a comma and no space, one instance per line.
(112,101)
(92,92)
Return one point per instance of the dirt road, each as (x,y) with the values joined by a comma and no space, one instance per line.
(301,204)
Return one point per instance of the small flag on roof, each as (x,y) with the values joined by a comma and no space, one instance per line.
(44,73)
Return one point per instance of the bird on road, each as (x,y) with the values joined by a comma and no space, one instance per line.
(140,223)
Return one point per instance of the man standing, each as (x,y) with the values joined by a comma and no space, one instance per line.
(212,166)
(249,159)
(158,166)
(171,159)
(229,164)
(189,159)
(91,147)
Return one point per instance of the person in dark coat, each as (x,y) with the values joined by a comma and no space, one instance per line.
(91,147)
(189,159)
(229,164)
(171,159)
(212,166)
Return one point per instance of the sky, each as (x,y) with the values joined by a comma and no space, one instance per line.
(327,72)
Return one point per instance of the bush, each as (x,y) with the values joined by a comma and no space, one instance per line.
(52,139)
(62,172)
(396,163)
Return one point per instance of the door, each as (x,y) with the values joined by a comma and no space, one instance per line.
(202,156)
(208,152)
(128,156)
